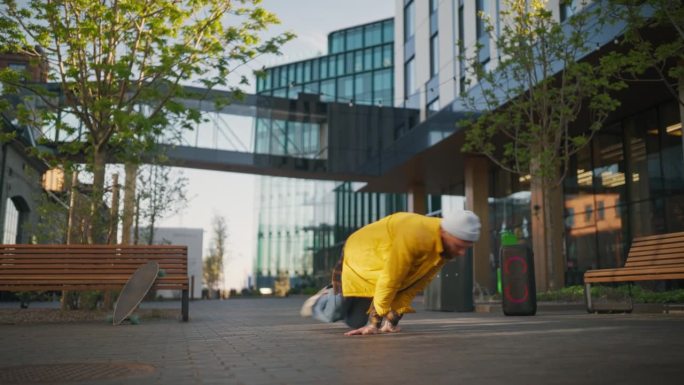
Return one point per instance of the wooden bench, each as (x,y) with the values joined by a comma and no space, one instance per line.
(655,257)
(90,267)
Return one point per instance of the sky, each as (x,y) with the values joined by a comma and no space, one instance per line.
(233,196)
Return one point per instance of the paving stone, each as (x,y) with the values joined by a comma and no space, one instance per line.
(264,341)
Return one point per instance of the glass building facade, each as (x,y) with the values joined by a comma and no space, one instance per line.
(302,223)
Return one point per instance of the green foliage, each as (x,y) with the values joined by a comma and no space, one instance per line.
(662,19)
(214,261)
(120,66)
(528,103)
(163,192)
(52,220)
(639,294)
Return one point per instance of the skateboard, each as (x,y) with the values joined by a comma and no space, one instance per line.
(134,291)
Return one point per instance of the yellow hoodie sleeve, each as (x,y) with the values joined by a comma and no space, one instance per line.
(402,301)
(395,269)
(410,239)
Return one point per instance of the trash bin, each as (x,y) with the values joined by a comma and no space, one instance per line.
(452,287)
(517,278)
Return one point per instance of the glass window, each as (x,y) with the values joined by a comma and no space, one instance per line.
(291,74)
(307,71)
(349,61)
(324,67)
(481,31)
(433,6)
(276,77)
(260,84)
(387,57)
(337,42)
(388,31)
(315,69)
(480,26)
(363,90)
(382,87)
(567,9)
(278,137)
(358,61)
(280,93)
(340,65)
(332,67)
(367,59)
(434,55)
(377,57)
(328,90)
(409,20)
(311,88)
(268,80)
(293,91)
(409,77)
(11,222)
(283,76)
(354,39)
(433,107)
(345,89)
(642,138)
(673,166)
(373,34)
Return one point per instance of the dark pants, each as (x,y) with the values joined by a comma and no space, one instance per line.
(355,310)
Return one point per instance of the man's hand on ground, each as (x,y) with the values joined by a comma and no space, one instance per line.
(387,327)
(363,331)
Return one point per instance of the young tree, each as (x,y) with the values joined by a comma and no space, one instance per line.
(214,261)
(527,105)
(111,57)
(165,194)
(654,38)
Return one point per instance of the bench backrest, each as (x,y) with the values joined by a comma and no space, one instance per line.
(657,250)
(54,267)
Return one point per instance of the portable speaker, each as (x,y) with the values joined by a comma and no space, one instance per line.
(517,280)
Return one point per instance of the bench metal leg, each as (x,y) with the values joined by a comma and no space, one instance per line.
(185,305)
(587,297)
(631,297)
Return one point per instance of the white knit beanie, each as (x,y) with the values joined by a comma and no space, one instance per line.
(462,224)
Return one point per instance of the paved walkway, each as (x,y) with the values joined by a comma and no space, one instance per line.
(264,341)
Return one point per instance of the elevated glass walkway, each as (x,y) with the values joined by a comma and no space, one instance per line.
(302,138)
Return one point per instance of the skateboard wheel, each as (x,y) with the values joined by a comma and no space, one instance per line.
(162,273)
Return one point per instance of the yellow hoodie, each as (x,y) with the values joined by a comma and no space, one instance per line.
(391,260)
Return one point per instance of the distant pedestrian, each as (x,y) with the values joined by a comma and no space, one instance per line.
(386,263)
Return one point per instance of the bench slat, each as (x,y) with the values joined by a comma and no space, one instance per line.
(634,278)
(660,237)
(657,250)
(655,262)
(633,270)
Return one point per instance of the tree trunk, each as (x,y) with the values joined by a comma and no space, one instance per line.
(681,103)
(64,302)
(136,229)
(547,232)
(129,203)
(112,237)
(99,166)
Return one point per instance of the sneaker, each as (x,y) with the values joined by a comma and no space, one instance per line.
(310,302)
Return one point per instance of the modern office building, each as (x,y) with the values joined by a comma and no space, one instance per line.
(302,223)
(628,182)
(193,239)
(20,173)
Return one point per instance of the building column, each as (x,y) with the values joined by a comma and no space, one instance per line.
(417,199)
(681,107)
(476,200)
